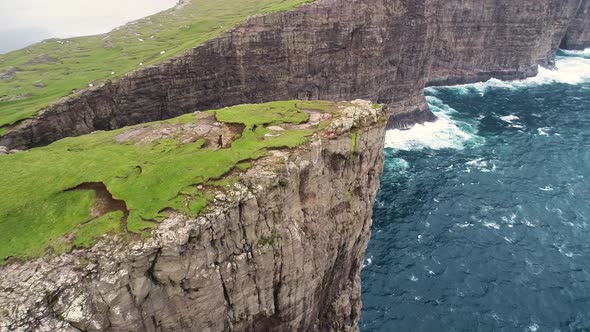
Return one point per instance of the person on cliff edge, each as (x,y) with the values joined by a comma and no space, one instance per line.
(220,142)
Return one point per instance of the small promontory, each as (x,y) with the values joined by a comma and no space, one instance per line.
(158,228)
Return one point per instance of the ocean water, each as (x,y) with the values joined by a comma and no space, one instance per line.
(482,222)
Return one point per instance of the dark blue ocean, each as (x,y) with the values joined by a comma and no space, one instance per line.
(482,222)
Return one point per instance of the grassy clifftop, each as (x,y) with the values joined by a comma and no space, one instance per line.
(36,76)
(126,181)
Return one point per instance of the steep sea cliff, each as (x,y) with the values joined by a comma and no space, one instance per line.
(279,250)
(284,249)
(379,50)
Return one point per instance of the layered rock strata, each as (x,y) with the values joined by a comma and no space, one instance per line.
(380,50)
(578,33)
(281,250)
(504,39)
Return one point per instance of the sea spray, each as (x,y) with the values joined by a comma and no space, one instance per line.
(444,133)
(570,70)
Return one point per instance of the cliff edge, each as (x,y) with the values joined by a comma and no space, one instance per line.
(280,249)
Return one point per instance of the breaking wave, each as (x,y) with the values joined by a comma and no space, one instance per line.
(445,133)
(572,68)
(582,54)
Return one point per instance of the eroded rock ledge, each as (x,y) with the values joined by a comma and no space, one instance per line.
(281,250)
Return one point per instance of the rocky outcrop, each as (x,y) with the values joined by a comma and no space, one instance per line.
(279,251)
(578,33)
(4,150)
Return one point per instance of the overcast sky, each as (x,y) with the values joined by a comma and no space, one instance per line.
(23,22)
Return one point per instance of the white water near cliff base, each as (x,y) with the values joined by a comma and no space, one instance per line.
(450,132)
(482,219)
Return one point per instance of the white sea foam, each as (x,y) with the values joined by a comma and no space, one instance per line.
(448,133)
(570,70)
(563,250)
(510,221)
(481,165)
(444,133)
(369,262)
(543,131)
(398,164)
(509,118)
(491,225)
(526,222)
(585,52)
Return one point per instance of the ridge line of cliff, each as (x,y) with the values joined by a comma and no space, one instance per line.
(382,50)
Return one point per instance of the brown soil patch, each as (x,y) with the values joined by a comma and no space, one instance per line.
(104,202)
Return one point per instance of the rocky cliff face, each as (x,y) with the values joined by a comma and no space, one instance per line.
(578,33)
(331,49)
(283,249)
(482,39)
(380,50)
(279,251)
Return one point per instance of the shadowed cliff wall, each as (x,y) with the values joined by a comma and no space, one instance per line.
(380,50)
(504,39)
(578,33)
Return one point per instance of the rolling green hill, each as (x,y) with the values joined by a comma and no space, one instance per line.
(36,76)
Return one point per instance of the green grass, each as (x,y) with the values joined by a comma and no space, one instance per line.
(77,62)
(39,213)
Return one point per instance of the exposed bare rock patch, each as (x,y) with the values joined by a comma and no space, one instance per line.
(8,74)
(14,98)
(41,59)
(204,127)
(182,3)
(107,42)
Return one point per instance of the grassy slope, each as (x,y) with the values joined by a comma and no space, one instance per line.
(36,212)
(76,62)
